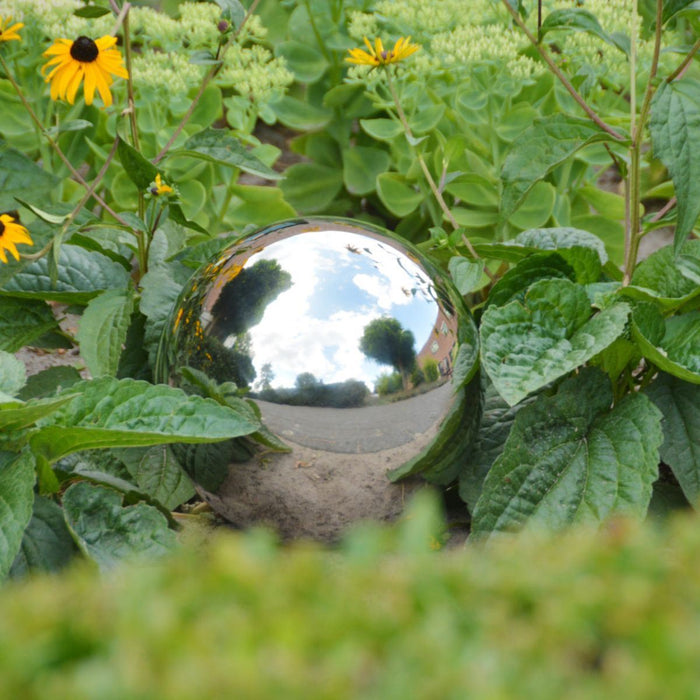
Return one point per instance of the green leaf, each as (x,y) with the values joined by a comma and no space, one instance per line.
(13,375)
(310,187)
(107,532)
(157,472)
(660,278)
(219,146)
(306,62)
(674,125)
(300,115)
(139,170)
(535,208)
(49,382)
(128,413)
(474,189)
(47,544)
(91,12)
(496,421)
(232,10)
(382,129)
(17,478)
(570,458)
(538,150)
(577,19)
(672,344)
(466,274)
(361,166)
(560,239)
(527,344)
(679,402)
(103,328)
(19,175)
(397,195)
(17,415)
(82,275)
(673,7)
(258,205)
(22,321)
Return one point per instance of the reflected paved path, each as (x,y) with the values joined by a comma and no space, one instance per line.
(357,430)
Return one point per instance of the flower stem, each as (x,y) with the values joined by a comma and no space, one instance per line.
(562,78)
(55,145)
(685,63)
(205,83)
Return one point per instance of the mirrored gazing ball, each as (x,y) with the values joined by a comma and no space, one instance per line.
(346,337)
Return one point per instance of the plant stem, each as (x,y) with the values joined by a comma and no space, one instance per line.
(562,78)
(428,176)
(205,83)
(55,145)
(684,64)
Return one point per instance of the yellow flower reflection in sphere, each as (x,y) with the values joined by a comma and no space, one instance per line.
(94,61)
(379,56)
(7,32)
(12,233)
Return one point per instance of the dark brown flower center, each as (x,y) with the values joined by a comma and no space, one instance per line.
(84,50)
(2,228)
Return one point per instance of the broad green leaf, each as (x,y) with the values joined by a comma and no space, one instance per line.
(82,275)
(577,19)
(679,402)
(301,115)
(103,328)
(17,415)
(310,187)
(128,413)
(674,125)
(47,544)
(49,382)
(17,478)
(22,321)
(496,421)
(139,170)
(570,458)
(232,10)
(157,472)
(560,238)
(13,375)
(109,533)
(426,118)
(538,150)
(672,344)
(306,62)
(535,208)
(258,205)
(91,11)
(474,189)
(608,204)
(219,146)
(527,344)
(538,266)
(466,274)
(659,277)
(441,460)
(673,7)
(397,195)
(20,175)
(361,166)
(382,129)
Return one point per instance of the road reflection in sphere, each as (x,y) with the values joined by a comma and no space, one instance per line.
(343,334)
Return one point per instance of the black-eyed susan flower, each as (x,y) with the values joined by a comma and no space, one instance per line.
(158,187)
(12,233)
(9,32)
(379,56)
(94,61)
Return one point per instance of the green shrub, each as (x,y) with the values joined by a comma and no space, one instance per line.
(430,370)
(612,613)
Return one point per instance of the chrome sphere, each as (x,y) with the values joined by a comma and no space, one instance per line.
(345,336)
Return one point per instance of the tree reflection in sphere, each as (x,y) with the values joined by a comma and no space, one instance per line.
(344,335)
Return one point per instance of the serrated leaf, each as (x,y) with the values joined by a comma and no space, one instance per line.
(47,544)
(672,344)
(679,402)
(157,472)
(112,412)
(219,146)
(109,533)
(49,382)
(466,274)
(17,478)
(575,19)
(139,169)
(674,125)
(526,345)
(22,321)
(570,458)
(13,375)
(82,275)
(103,328)
(538,150)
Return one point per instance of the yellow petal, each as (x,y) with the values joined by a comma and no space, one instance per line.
(74,84)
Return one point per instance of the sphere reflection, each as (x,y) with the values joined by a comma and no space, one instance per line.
(343,334)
